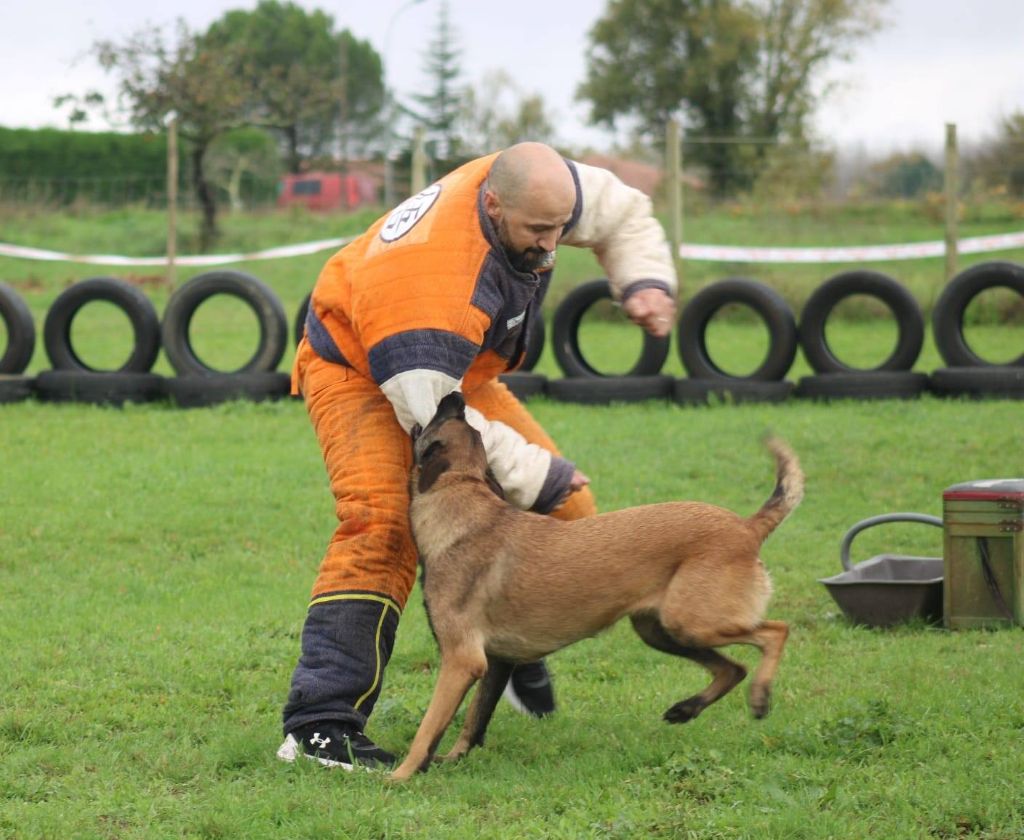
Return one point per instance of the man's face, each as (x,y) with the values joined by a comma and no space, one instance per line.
(529,234)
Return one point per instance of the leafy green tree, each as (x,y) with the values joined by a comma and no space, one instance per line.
(201,87)
(999,163)
(440,109)
(245,156)
(318,89)
(905,175)
(497,114)
(731,69)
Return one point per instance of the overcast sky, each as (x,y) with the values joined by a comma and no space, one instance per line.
(937,61)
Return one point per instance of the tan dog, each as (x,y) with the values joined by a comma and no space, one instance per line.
(503,586)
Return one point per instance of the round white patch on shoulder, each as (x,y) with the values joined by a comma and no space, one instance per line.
(405,216)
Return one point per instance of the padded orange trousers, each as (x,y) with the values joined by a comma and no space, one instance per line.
(368,458)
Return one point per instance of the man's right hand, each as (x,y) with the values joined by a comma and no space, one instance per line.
(578,482)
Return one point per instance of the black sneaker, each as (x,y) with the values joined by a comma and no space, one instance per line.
(529,689)
(334,743)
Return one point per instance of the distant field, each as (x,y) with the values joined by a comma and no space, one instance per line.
(140,232)
(225,331)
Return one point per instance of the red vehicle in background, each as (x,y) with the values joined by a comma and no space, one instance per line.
(328,190)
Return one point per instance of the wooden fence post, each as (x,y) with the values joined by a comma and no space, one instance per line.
(419,163)
(952,190)
(674,165)
(172,198)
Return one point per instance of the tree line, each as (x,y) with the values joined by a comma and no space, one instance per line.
(747,71)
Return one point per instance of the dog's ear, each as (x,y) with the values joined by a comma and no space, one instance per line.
(453,406)
(415,431)
(433,465)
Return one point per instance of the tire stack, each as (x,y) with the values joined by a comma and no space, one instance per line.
(21,339)
(967,374)
(257,380)
(835,379)
(72,379)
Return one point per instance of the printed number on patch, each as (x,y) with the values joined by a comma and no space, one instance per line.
(405,216)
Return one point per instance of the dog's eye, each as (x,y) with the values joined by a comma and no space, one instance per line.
(432,450)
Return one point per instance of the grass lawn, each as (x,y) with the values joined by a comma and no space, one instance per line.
(155,565)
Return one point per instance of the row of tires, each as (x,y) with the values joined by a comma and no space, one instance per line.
(785,336)
(199,391)
(257,378)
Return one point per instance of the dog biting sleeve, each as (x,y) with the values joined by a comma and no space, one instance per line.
(617,223)
(521,468)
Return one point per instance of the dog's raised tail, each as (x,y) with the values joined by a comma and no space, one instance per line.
(788,493)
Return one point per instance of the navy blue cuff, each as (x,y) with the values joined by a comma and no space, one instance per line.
(556,485)
(640,285)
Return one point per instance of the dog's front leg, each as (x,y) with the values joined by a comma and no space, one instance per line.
(480,710)
(458,673)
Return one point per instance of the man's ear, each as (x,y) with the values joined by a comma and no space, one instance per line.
(492,206)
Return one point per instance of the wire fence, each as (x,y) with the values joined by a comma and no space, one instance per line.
(715,171)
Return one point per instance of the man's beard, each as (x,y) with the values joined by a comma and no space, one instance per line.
(527,260)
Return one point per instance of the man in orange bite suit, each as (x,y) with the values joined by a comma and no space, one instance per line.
(435,297)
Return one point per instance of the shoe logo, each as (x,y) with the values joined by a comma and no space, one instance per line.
(319,742)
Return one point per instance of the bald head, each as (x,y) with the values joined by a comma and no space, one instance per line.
(531,173)
(529,196)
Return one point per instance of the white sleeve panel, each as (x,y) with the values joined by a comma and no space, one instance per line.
(618,224)
(415,394)
(520,467)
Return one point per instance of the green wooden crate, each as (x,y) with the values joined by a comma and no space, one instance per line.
(983,554)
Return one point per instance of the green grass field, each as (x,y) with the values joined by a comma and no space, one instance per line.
(155,566)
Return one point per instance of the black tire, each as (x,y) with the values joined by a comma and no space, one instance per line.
(1006,382)
(765,301)
(21,331)
(828,295)
(15,388)
(704,391)
(896,384)
(524,384)
(300,318)
(534,342)
(565,336)
(610,389)
(261,299)
(948,314)
(202,391)
(80,386)
(130,300)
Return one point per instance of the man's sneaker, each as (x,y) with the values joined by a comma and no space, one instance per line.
(334,743)
(529,689)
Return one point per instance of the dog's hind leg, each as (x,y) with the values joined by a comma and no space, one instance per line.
(726,674)
(480,710)
(459,670)
(770,638)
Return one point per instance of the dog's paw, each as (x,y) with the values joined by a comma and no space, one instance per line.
(760,701)
(685,710)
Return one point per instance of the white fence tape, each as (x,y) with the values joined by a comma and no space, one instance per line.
(7,250)
(709,253)
(865,253)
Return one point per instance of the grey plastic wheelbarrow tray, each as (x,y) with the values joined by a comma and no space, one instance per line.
(890,588)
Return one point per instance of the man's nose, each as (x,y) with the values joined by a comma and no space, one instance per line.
(547,241)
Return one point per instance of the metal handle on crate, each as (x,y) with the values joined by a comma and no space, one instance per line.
(871,521)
